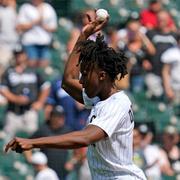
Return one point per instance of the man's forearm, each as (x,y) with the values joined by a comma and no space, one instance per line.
(73,59)
(68,141)
(70,81)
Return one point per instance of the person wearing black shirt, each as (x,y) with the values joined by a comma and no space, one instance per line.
(26,93)
(162,38)
(55,125)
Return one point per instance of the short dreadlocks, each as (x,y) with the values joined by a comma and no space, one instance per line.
(106,58)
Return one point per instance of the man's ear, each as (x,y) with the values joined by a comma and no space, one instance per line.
(102,75)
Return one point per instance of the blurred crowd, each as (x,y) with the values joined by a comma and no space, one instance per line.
(36,106)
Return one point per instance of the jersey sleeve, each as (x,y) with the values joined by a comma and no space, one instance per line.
(110,118)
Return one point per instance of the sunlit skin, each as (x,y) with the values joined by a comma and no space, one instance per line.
(94,80)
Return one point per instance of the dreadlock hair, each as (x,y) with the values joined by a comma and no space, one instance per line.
(106,58)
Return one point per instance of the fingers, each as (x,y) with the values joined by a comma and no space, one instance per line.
(93,26)
(10,145)
(89,17)
(100,24)
(14,146)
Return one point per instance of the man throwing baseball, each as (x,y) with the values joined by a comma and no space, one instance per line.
(109,132)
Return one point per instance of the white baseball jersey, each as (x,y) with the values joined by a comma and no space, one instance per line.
(111,158)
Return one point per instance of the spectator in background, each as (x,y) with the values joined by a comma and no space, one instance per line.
(151,152)
(136,48)
(148,17)
(58,96)
(76,115)
(37,21)
(78,166)
(170,153)
(55,125)
(138,152)
(132,26)
(112,37)
(8,34)
(43,172)
(170,73)
(113,41)
(81,116)
(26,92)
(162,38)
(81,169)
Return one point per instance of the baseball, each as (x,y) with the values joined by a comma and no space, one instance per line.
(101,14)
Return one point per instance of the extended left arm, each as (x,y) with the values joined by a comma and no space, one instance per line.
(73,140)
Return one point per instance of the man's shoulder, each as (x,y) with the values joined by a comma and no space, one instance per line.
(119,99)
(120,95)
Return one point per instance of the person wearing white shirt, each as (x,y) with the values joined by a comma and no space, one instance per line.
(43,172)
(36,23)
(170,73)
(8,33)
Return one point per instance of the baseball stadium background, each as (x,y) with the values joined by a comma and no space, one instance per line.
(154,112)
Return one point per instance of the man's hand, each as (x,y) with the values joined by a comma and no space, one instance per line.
(93,26)
(19,145)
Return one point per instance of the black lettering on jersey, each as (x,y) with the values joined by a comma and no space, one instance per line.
(131,114)
(93,117)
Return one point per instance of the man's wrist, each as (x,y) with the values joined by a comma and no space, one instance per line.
(38,142)
(83,36)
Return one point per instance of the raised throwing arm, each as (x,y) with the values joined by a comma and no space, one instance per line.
(70,81)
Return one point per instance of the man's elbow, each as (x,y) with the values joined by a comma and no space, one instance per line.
(66,84)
